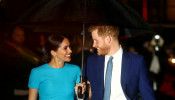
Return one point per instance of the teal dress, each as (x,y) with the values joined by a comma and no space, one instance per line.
(55,83)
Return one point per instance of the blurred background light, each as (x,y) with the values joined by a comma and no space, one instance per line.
(157,37)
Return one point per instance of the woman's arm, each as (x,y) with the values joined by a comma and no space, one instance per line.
(33,93)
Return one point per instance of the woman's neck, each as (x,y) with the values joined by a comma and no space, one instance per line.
(56,64)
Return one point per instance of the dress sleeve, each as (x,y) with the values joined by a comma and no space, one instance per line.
(34,79)
(78,75)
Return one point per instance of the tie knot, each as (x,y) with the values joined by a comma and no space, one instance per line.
(110,58)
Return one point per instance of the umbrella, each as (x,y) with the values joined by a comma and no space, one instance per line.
(54,15)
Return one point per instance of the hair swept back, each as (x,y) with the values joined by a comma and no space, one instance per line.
(104,30)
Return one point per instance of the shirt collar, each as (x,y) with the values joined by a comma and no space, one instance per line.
(119,52)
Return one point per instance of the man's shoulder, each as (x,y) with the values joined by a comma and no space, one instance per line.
(130,54)
(94,56)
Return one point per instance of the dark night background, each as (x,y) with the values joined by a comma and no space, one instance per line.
(43,17)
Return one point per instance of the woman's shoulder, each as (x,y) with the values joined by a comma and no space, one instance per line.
(73,66)
(41,67)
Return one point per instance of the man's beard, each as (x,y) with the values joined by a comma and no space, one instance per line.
(104,50)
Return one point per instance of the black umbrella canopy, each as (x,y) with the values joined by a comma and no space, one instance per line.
(53,15)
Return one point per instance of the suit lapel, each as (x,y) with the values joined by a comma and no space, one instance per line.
(124,72)
(125,62)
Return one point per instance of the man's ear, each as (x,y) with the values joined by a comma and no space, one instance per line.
(108,39)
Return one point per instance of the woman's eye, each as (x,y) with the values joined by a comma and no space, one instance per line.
(65,48)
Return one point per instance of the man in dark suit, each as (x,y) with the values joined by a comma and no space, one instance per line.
(129,74)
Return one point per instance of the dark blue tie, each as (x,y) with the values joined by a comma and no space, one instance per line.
(107,89)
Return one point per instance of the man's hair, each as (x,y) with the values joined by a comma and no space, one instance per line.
(104,30)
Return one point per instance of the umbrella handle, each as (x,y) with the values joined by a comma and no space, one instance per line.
(82,64)
(80,95)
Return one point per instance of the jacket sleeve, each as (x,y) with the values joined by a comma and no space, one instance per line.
(145,86)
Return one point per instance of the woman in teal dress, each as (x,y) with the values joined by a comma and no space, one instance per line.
(56,79)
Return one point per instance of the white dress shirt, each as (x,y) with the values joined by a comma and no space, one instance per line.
(116,88)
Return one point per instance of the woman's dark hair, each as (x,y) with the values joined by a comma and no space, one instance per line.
(52,43)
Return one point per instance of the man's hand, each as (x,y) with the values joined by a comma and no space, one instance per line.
(83,85)
(89,90)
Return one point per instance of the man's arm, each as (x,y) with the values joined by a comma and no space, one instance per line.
(145,86)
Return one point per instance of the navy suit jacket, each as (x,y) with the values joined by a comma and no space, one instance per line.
(134,76)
